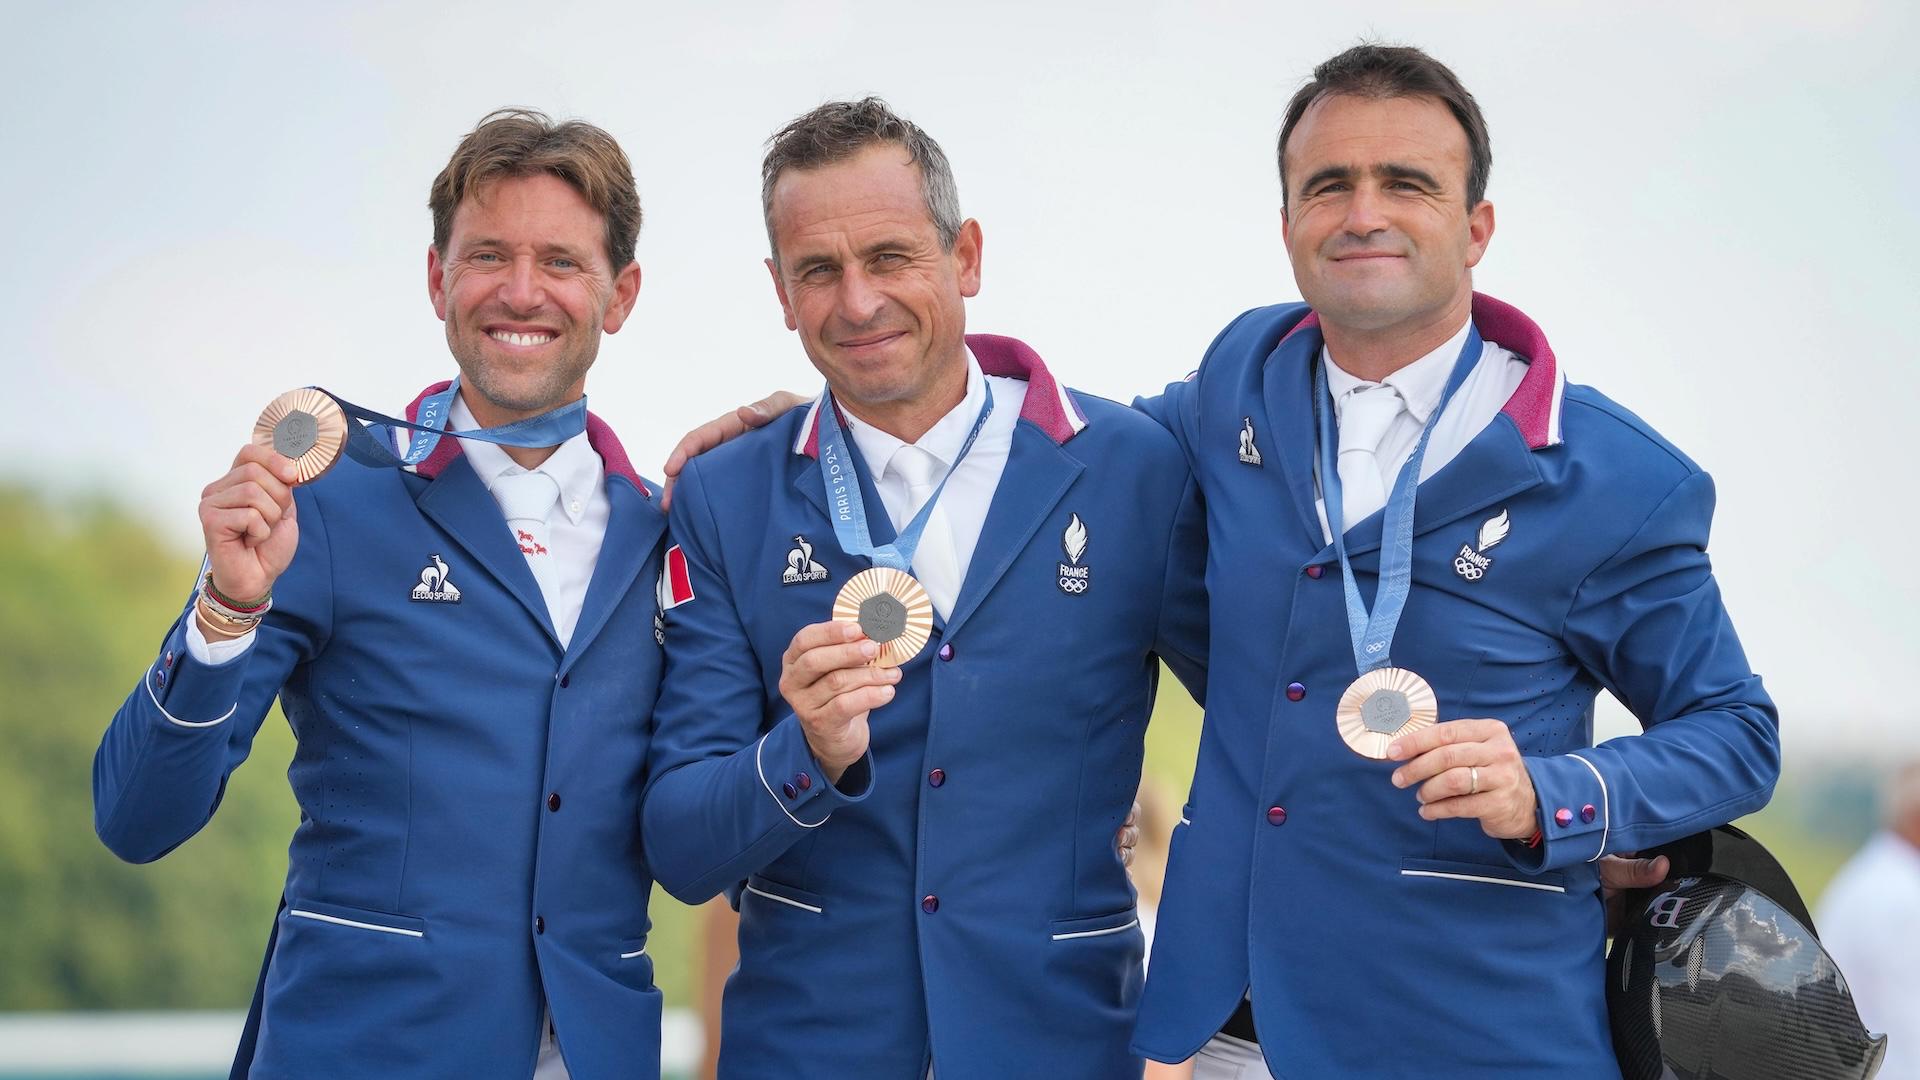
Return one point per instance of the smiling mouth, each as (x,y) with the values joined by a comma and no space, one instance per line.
(876,339)
(508,337)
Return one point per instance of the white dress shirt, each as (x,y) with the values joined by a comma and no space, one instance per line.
(1866,921)
(962,509)
(1491,383)
(578,522)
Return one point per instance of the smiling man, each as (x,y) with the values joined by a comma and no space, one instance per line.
(465,651)
(921,797)
(1428,554)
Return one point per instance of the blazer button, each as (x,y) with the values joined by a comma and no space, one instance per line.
(1586,813)
(1314,572)
(539,925)
(1296,691)
(936,777)
(553,801)
(159,677)
(1276,815)
(168,660)
(1563,817)
(946,651)
(566,680)
(803,782)
(789,791)
(930,903)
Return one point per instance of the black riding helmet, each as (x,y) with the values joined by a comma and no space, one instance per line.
(1718,974)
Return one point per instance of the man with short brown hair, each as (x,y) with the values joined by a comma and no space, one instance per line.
(1428,553)
(465,650)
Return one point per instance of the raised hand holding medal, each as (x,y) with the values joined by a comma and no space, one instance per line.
(834,673)
(247,517)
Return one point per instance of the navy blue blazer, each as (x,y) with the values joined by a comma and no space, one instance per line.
(469,792)
(1375,943)
(957,897)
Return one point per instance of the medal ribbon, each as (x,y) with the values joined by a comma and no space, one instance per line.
(1373,632)
(848,506)
(550,428)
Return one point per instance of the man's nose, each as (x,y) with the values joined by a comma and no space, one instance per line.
(1366,211)
(860,297)
(522,290)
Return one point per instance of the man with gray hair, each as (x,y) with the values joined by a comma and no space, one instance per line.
(1867,926)
(907,689)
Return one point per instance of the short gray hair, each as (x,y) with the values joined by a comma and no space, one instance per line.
(837,131)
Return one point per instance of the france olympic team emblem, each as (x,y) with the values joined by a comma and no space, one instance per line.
(1473,561)
(1075,578)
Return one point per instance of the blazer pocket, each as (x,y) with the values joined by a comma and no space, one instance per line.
(778,895)
(1471,874)
(353,918)
(633,948)
(1094,926)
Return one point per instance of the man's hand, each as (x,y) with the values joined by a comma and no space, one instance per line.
(720,429)
(1621,872)
(1128,837)
(1469,769)
(828,678)
(247,518)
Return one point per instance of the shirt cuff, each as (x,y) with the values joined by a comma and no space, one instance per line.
(215,653)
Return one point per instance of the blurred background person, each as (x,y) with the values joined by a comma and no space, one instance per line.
(1866,921)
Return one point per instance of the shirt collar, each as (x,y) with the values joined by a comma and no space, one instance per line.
(943,440)
(1421,383)
(573,465)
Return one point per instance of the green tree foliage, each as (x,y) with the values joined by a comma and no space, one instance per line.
(86,593)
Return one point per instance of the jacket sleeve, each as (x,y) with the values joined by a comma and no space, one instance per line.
(1181,636)
(1177,408)
(163,764)
(735,783)
(1649,623)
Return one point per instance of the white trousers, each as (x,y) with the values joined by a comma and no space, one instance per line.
(1227,1058)
(549,1065)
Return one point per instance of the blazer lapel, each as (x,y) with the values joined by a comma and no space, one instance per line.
(458,502)
(1288,392)
(1496,465)
(1039,471)
(634,526)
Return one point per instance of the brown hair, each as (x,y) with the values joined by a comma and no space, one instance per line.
(1389,71)
(524,142)
(839,130)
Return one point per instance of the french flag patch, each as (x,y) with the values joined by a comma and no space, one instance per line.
(676,583)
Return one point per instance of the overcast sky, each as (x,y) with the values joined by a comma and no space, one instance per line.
(1709,208)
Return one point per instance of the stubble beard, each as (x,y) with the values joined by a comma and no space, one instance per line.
(539,391)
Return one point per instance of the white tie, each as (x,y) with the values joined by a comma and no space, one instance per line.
(934,563)
(1364,419)
(526,498)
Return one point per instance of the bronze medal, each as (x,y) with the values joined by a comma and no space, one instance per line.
(891,608)
(305,426)
(1382,705)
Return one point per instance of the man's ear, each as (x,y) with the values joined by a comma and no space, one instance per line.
(437,282)
(626,290)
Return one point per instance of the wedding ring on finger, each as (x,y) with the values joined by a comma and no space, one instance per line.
(1473,776)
